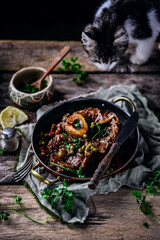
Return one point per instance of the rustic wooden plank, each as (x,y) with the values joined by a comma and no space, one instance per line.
(118,217)
(16,54)
(65,88)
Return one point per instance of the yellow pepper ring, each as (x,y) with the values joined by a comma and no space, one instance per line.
(107,119)
(73,131)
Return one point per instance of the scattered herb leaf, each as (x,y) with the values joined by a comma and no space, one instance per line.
(152,185)
(73,66)
(146,224)
(1,151)
(18,199)
(60,193)
(4,214)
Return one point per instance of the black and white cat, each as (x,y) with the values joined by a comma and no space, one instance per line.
(117,23)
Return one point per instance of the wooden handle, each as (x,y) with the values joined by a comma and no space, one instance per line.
(103,166)
(57,59)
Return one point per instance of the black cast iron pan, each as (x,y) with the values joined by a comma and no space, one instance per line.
(55,115)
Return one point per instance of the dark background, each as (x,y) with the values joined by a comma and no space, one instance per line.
(45,20)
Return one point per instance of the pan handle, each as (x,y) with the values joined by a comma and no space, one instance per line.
(127,100)
(41,178)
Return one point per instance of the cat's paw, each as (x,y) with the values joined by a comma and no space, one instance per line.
(136,60)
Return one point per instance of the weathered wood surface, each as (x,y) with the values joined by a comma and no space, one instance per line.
(118,216)
(15,55)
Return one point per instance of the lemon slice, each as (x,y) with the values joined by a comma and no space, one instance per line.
(11,116)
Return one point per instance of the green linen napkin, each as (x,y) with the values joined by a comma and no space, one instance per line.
(149,160)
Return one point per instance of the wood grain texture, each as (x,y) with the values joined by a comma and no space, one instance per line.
(118,217)
(15,55)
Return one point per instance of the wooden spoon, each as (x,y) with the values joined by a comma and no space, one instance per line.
(58,58)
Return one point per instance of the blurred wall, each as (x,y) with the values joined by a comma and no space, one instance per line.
(45,20)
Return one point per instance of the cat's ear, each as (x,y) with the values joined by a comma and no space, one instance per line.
(120,36)
(89,34)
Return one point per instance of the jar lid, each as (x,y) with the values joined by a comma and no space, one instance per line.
(7,133)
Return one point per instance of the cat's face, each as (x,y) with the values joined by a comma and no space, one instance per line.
(104,49)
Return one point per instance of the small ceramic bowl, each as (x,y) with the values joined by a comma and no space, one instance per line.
(30,100)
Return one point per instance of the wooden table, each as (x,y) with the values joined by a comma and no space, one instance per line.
(118,217)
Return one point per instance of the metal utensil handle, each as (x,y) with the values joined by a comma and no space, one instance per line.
(41,178)
(103,166)
(127,100)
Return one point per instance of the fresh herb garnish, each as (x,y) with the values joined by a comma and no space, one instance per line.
(65,135)
(99,127)
(77,125)
(73,66)
(77,141)
(79,79)
(60,193)
(152,186)
(5,214)
(146,224)
(28,88)
(67,145)
(1,151)
(77,172)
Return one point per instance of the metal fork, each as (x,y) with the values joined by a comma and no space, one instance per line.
(19,175)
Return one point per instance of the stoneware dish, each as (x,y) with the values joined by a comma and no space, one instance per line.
(30,100)
(55,115)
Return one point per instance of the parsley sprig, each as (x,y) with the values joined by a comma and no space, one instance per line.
(100,130)
(60,193)
(77,141)
(78,172)
(152,185)
(4,214)
(73,66)
(1,151)
(28,88)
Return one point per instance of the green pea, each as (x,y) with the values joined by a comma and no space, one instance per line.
(95,149)
(85,136)
(89,146)
(43,142)
(80,150)
(43,153)
(71,152)
(72,147)
(92,125)
(83,147)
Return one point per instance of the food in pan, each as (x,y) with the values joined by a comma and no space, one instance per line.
(79,141)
